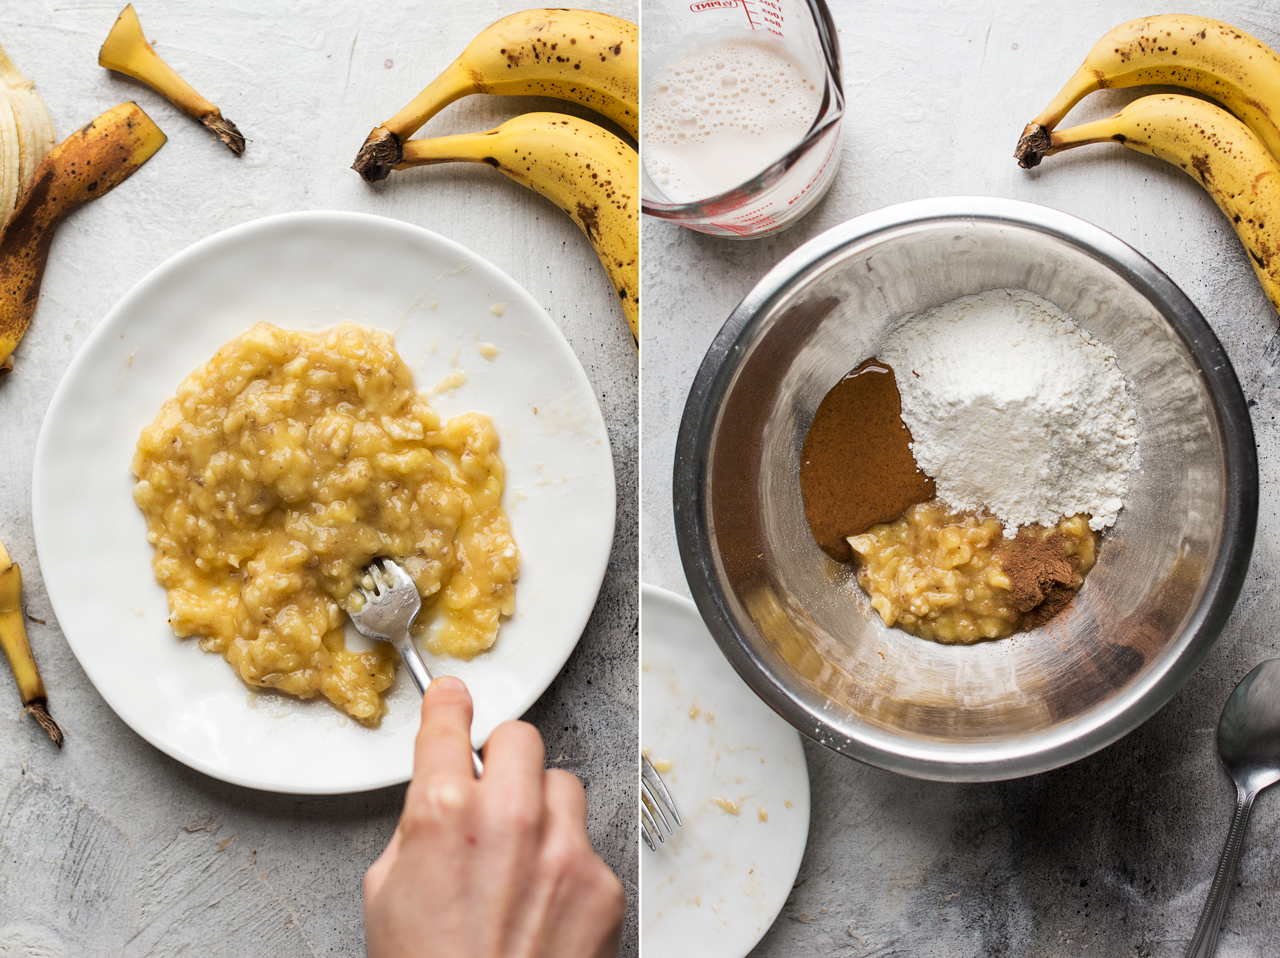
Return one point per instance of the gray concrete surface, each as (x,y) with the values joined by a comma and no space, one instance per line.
(1113,855)
(109,847)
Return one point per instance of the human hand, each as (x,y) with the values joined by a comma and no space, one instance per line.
(496,867)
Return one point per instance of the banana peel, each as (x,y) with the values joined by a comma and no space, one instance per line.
(17,648)
(26,134)
(90,162)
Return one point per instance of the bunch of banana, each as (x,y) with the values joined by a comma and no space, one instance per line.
(87,164)
(127,51)
(17,648)
(591,58)
(26,134)
(592,175)
(584,169)
(1207,56)
(1234,155)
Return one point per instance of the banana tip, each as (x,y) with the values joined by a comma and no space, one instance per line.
(224,130)
(40,712)
(1032,146)
(381,151)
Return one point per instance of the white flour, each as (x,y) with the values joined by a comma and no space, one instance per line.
(1014,410)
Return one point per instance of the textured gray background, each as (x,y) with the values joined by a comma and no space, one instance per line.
(110,848)
(1113,855)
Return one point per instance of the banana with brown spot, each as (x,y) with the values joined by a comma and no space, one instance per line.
(590,58)
(1208,56)
(584,169)
(1214,148)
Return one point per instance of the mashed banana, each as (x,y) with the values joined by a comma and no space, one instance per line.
(939,574)
(283,466)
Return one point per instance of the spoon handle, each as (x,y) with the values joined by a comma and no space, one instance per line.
(1206,936)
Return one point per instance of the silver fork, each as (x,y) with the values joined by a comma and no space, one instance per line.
(390,607)
(654,798)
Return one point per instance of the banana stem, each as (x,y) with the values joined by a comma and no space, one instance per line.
(383,148)
(1034,144)
(1098,131)
(453,84)
(459,148)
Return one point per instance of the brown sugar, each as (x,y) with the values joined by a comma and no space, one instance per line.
(856,467)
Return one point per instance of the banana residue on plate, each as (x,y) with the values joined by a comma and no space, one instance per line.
(281,468)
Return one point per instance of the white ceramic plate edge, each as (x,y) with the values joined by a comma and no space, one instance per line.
(724,946)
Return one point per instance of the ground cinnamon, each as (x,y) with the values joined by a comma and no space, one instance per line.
(1044,579)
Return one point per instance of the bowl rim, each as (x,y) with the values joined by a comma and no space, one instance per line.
(1073,739)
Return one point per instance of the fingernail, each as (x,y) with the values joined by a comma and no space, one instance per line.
(450,682)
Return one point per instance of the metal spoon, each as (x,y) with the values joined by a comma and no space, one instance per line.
(1249,743)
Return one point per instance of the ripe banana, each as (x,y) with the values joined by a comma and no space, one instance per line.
(87,164)
(1204,55)
(1214,148)
(127,51)
(592,58)
(26,134)
(584,169)
(17,648)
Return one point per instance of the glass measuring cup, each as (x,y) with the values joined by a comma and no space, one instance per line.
(788,187)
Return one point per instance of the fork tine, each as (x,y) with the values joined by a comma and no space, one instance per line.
(644,833)
(383,580)
(655,805)
(650,776)
(647,821)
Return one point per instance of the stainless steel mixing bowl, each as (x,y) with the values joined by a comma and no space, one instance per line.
(789,618)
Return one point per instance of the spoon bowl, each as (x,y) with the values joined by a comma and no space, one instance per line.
(1249,744)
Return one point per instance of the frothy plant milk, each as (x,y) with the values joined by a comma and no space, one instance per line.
(723,111)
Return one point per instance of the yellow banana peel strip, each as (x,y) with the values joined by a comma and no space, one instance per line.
(17,648)
(127,51)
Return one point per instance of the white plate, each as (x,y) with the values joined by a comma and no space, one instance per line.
(716,885)
(308,271)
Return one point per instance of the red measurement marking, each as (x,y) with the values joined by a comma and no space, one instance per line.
(771,13)
(816,176)
(773,18)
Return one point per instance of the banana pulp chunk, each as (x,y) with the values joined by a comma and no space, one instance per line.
(280,469)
